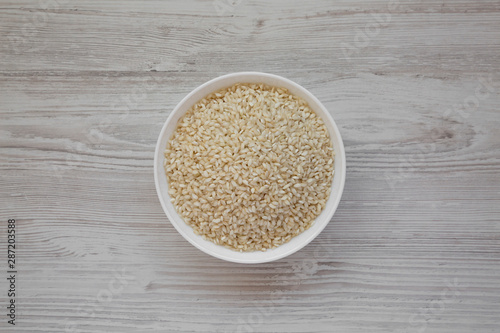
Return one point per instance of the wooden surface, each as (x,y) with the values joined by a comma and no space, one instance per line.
(414,246)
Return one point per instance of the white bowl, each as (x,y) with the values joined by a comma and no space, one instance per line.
(295,243)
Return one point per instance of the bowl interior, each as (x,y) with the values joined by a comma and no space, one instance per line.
(295,243)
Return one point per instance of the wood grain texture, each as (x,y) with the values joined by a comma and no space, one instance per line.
(414,245)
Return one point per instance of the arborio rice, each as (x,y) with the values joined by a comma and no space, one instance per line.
(249,167)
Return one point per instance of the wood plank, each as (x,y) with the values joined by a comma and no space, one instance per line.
(414,245)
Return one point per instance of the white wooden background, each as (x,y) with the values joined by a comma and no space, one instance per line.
(414,246)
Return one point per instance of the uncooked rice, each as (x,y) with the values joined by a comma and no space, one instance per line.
(250,167)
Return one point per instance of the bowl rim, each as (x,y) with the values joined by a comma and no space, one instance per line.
(338,154)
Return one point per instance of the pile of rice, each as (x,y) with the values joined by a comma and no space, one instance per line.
(249,167)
